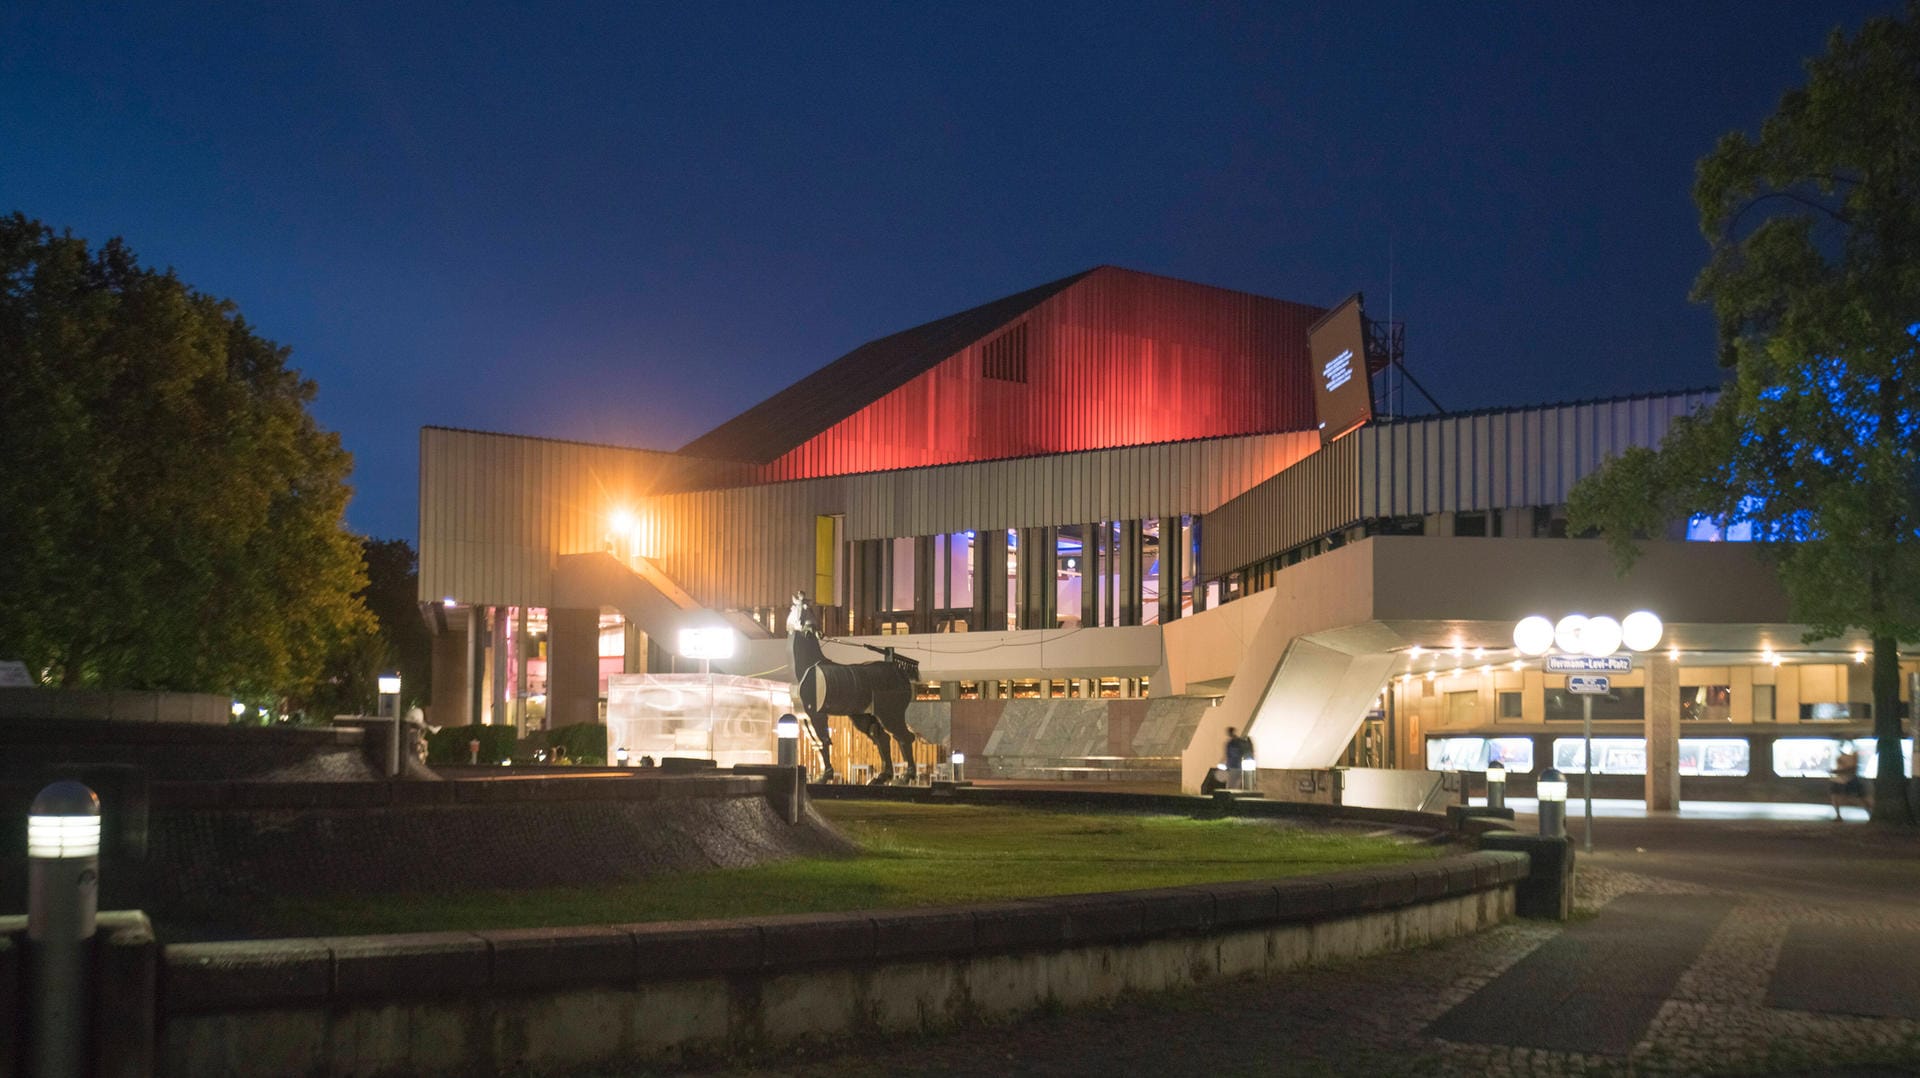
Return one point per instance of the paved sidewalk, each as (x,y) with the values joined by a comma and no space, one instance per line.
(1704,946)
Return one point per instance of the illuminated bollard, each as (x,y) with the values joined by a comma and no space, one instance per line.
(620,755)
(1553,804)
(959,766)
(1496,786)
(787,730)
(63,896)
(1247,773)
(473,751)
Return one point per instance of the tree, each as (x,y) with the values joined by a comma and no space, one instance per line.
(1814,278)
(397,641)
(173,513)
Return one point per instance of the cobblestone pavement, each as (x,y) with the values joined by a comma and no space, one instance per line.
(1369,1017)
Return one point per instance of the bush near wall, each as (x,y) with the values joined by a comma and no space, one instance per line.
(584,742)
(448,745)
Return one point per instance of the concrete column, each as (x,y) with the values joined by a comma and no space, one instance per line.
(449,670)
(522,643)
(923,573)
(1090,546)
(1172,558)
(573,667)
(1663,734)
(470,697)
(497,649)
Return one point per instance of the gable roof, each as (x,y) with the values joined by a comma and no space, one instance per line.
(789,418)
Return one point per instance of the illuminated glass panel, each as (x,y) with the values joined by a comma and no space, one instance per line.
(1715,756)
(1612,755)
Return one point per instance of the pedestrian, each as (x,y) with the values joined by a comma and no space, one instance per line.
(1236,752)
(1846,781)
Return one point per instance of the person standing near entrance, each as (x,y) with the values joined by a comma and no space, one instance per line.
(1238,749)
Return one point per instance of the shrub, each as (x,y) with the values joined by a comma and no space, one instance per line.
(583,742)
(448,745)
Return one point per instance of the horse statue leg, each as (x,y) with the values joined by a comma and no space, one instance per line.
(871,727)
(892,716)
(824,735)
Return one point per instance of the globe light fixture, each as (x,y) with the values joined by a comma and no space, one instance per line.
(1533,636)
(1641,630)
(1601,636)
(1567,632)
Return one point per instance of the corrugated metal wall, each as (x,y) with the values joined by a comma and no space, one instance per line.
(1501,460)
(1494,460)
(496,510)
(1304,502)
(1119,358)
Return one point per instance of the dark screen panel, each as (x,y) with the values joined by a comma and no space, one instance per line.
(1342,392)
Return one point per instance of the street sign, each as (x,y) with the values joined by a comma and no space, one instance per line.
(1588,686)
(1587,664)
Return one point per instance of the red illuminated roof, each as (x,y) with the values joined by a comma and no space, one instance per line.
(780,423)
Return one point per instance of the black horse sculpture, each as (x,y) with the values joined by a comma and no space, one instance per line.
(874,695)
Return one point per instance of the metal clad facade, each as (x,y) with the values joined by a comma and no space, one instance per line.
(1117,358)
(497,510)
(1304,502)
(1443,464)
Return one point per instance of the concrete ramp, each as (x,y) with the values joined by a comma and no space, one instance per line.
(1315,702)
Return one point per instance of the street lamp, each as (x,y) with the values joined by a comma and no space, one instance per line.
(786,731)
(63,891)
(1580,636)
(1496,785)
(707,644)
(1552,791)
(390,707)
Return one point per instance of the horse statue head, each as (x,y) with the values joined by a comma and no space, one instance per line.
(800,617)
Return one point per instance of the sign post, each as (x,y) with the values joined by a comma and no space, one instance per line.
(1587,687)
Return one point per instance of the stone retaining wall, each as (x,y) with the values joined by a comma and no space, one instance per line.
(207,851)
(552,999)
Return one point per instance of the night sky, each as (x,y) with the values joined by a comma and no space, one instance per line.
(620,224)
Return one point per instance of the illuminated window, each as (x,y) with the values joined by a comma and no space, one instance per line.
(1612,755)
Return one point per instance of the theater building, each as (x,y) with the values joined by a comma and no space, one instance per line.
(1114,515)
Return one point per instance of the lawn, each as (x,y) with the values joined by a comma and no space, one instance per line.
(914,855)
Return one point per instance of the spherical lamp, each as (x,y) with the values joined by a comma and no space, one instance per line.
(1566,633)
(1641,630)
(1601,637)
(1533,635)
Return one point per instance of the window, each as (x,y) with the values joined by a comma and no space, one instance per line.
(1835,712)
(1004,358)
(1470,524)
(1621,703)
(1713,757)
(1612,755)
(1475,753)
(1510,705)
(1812,757)
(1706,703)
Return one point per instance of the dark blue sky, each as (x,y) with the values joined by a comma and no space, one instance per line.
(625,224)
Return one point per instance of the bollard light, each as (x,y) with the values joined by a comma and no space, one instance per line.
(959,765)
(787,731)
(1496,786)
(63,898)
(389,684)
(238,710)
(1552,791)
(620,754)
(1247,765)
